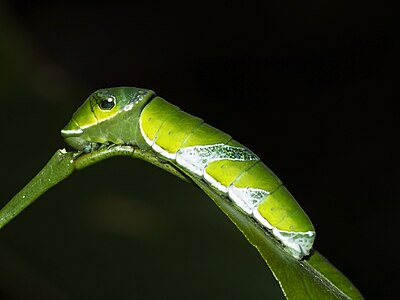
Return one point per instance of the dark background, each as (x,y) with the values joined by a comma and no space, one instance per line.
(311,88)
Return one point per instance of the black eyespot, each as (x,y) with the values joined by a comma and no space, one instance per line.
(107,104)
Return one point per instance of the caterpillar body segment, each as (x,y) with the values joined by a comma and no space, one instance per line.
(138,117)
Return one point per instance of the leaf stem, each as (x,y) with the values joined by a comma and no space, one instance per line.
(63,164)
(59,167)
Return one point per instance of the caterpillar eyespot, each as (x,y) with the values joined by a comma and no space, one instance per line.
(107,104)
(135,116)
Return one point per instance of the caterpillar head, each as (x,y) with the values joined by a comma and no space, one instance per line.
(107,115)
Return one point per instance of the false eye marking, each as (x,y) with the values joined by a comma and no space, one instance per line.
(107,104)
(103,100)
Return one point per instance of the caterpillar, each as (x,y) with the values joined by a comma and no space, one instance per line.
(136,116)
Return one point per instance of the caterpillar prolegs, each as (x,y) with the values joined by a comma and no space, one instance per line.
(135,116)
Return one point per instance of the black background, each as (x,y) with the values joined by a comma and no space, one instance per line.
(310,87)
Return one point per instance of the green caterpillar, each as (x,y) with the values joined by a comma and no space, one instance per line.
(135,116)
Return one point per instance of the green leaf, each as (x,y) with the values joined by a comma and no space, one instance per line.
(312,278)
